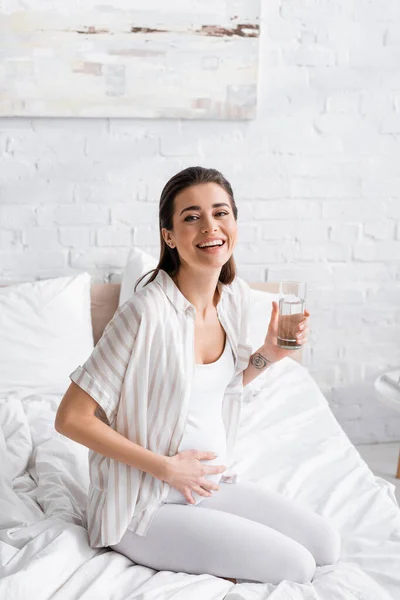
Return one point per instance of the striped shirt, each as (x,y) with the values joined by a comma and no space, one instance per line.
(140,373)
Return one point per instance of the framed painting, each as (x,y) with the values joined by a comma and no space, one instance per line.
(186,59)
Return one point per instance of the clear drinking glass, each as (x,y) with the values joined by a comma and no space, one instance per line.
(292,296)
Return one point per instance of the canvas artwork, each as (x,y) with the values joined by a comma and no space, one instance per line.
(186,59)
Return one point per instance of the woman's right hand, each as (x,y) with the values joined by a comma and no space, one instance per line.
(186,473)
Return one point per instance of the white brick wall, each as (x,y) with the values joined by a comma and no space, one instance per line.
(316,177)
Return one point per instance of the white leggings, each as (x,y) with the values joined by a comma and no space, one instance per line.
(242,531)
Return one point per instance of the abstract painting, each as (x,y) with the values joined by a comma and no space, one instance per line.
(184,59)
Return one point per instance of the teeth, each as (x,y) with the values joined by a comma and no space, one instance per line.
(211,244)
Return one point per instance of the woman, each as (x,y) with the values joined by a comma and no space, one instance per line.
(166,381)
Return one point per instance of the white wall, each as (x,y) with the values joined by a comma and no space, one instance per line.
(316,178)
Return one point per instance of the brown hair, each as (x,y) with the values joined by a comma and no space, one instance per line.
(169,257)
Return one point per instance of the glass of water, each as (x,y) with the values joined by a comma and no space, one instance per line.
(292,296)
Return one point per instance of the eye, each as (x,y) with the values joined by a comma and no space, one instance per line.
(218,213)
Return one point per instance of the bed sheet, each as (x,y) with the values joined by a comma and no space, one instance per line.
(289,441)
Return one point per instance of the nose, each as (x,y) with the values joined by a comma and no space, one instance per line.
(209,225)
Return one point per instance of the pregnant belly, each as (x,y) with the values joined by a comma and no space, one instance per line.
(211,441)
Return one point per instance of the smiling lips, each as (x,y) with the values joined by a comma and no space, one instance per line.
(212,249)
(212,241)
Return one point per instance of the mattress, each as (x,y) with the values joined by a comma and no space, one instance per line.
(289,441)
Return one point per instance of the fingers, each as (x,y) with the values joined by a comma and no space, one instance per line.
(201,491)
(206,489)
(301,338)
(302,335)
(204,455)
(216,469)
(302,329)
(208,485)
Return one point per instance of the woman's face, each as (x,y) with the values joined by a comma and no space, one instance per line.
(192,226)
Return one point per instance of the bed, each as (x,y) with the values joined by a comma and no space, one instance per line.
(289,441)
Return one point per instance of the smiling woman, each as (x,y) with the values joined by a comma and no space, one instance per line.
(198,233)
(169,372)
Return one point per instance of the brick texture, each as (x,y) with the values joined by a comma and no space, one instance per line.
(315,175)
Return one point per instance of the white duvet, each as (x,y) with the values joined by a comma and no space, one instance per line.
(289,441)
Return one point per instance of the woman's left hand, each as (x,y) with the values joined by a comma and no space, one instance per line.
(271,350)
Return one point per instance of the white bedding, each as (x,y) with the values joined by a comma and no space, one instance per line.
(289,441)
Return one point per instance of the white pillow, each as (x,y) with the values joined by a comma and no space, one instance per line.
(45,331)
(138,263)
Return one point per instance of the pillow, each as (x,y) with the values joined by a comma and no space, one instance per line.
(45,331)
(138,263)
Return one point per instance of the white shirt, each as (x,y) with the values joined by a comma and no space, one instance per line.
(140,373)
(205,428)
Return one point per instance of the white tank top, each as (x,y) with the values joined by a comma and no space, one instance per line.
(205,428)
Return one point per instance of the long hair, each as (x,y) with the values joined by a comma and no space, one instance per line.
(169,257)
